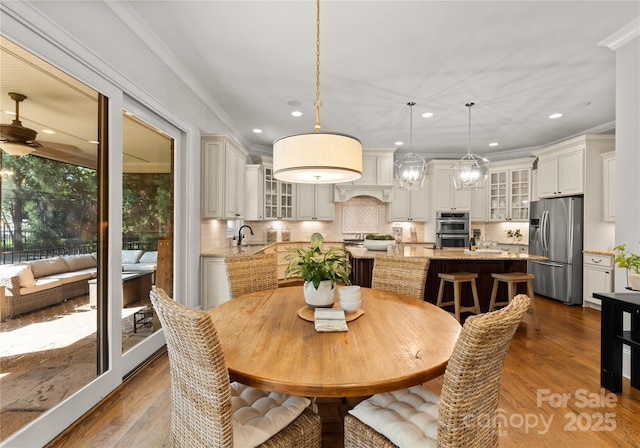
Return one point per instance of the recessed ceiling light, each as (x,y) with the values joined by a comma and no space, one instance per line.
(296,113)
(399,143)
(257,131)
(556,115)
(48,131)
(427,114)
(493,144)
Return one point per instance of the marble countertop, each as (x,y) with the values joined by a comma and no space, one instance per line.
(599,252)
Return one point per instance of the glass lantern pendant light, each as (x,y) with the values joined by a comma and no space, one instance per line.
(470,172)
(317,157)
(410,169)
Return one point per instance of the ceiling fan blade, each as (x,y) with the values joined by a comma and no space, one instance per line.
(66,153)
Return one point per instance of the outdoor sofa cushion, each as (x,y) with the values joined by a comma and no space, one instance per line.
(80,262)
(48,266)
(131,256)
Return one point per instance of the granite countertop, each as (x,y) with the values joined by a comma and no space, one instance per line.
(447,254)
(609,253)
(423,249)
(252,249)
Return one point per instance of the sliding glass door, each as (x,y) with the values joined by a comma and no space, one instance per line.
(87,229)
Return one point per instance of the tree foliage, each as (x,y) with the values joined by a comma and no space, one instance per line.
(46,204)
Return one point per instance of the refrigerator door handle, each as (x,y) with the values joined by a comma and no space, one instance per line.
(544,225)
(548,263)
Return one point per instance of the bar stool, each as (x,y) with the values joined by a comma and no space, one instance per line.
(512,279)
(457,278)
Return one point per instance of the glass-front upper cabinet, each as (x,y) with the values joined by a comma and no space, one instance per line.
(279,197)
(509,192)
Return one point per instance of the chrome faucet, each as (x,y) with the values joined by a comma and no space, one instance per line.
(241,236)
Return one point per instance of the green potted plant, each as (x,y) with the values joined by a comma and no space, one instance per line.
(630,261)
(320,270)
(515,235)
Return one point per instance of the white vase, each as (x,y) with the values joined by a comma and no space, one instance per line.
(633,280)
(323,297)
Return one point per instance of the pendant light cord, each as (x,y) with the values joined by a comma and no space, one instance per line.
(411,104)
(469,144)
(318,103)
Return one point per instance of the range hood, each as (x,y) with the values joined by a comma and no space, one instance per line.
(345,192)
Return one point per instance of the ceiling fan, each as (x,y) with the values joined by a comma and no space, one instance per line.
(18,141)
(15,139)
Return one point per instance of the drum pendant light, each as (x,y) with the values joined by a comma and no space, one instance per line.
(410,169)
(317,157)
(470,172)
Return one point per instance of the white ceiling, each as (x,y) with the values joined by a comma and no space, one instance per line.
(59,103)
(518,61)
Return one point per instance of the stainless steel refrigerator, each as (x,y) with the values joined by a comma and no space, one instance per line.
(555,231)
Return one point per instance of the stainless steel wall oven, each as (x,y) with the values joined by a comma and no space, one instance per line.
(452,229)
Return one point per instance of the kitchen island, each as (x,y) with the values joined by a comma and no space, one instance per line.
(483,263)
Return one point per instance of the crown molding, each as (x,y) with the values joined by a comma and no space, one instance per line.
(125,12)
(622,36)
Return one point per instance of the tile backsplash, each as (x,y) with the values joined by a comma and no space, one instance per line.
(365,213)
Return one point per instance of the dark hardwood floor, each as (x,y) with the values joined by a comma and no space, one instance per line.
(551,395)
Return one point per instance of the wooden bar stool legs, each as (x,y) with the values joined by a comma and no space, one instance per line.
(457,278)
(512,279)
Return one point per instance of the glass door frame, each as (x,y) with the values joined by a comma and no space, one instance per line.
(47,42)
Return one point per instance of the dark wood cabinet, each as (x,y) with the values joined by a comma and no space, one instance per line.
(363,268)
(361,271)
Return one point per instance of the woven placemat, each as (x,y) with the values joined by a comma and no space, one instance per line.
(307,314)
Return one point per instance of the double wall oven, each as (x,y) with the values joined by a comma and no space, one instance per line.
(452,229)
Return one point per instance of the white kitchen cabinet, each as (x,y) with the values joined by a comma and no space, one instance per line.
(513,248)
(279,197)
(214,285)
(579,170)
(314,202)
(609,178)
(562,167)
(223,178)
(561,174)
(598,277)
(377,168)
(478,205)
(509,190)
(409,205)
(445,196)
(254,193)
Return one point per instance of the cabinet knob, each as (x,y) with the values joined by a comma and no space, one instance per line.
(596,261)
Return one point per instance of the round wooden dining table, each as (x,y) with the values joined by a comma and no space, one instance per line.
(398,342)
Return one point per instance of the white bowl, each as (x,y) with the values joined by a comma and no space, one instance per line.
(350,307)
(351,298)
(349,292)
(378,244)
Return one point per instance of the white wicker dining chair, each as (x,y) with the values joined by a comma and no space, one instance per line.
(209,411)
(403,275)
(251,273)
(465,413)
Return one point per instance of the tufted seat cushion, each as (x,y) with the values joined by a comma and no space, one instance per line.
(407,417)
(258,415)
